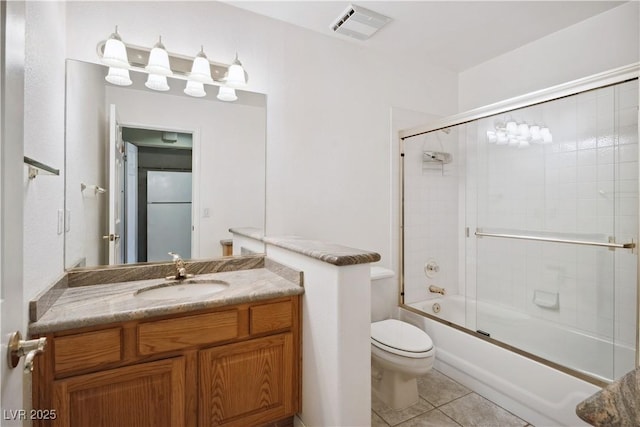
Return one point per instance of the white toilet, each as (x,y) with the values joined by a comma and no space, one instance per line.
(400,352)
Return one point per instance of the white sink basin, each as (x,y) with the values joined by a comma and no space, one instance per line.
(182,289)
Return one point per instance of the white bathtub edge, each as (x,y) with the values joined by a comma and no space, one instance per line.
(541,395)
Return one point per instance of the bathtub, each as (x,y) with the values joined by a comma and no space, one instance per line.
(538,393)
(588,354)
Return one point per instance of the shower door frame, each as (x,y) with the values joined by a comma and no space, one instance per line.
(596,81)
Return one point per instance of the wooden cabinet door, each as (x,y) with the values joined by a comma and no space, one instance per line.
(144,395)
(248,383)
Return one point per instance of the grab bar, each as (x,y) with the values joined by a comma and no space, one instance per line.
(631,245)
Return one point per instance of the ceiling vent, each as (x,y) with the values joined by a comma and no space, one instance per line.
(359,23)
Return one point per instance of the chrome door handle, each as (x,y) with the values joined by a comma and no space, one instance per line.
(111,237)
(18,347)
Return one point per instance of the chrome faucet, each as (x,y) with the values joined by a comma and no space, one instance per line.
(437,290)
(181,271)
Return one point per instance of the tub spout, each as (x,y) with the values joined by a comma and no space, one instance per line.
(437,290)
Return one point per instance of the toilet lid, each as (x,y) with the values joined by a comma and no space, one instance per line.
(394,334)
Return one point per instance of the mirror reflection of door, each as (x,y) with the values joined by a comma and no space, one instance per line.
(157,194)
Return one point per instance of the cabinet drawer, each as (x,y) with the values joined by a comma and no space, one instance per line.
(189,331)
(270,317)
(88,350)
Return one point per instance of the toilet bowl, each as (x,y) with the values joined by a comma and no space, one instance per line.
(400,353)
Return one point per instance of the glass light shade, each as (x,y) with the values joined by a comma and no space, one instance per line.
(159,61)
(235,75)
(227,94)
(195,89)
(502,138)
(535,133)
(118,76)
(546,135)
(523,130)
(201,69)
(157,82)
(491,136)
(512,127)
(115,52)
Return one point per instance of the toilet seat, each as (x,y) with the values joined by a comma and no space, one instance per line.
(401,338)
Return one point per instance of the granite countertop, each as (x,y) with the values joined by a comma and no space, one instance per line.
(330,253)
(95,304)
(618,404)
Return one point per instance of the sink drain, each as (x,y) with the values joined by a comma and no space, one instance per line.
(436,308)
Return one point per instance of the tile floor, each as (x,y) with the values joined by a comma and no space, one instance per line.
(444,403)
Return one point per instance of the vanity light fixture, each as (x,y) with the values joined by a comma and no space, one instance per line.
(159,60)
(236,77)
(159,64)
(115,52)
(227,94)
(118,76)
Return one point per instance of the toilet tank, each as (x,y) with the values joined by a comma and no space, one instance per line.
(384,293)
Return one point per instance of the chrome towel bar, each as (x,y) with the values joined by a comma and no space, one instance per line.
(631,245)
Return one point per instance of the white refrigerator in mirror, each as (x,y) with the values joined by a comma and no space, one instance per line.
(168,214)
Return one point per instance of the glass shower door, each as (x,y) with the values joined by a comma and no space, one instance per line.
(549,188)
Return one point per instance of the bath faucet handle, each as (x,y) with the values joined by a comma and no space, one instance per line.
(437,290)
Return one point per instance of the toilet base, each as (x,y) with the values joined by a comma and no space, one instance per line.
(396,390)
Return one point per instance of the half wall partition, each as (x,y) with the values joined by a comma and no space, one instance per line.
(520,224)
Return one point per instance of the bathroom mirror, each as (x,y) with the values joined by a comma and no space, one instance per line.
(214,152)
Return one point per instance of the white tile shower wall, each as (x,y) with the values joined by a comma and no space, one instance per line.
(431,215)
(585,185)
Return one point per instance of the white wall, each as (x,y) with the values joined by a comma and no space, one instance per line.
(600,43)
(431,215)
(328,113)
(86,152)
(43,141)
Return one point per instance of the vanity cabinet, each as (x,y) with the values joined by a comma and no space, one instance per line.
(235,365)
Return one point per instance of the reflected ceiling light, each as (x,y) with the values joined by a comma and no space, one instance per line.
(236,77)
(159,60)
(227,94)
(201,69)
(518,134)
(118,76)
(546,135)
(195,89)
(115,52)
(157,82)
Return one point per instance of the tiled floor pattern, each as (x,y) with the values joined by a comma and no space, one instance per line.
(444,403)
